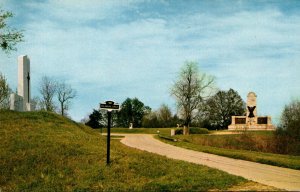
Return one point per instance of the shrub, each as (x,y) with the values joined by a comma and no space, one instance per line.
(287,136)
(197,130)
(179,131)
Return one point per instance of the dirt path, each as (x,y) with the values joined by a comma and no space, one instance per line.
(278,177)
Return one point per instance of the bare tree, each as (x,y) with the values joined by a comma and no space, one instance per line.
(190,90)
(48,90)
(4,92)
(64,94)
(165,115)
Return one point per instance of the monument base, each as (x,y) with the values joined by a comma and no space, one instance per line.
(246,127)
(16,102)
(243,123)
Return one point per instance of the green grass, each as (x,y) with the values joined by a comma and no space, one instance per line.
(42,151)
(287,161)
(139,130)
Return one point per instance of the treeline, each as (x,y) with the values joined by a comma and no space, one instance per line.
(215,114)
(134,112)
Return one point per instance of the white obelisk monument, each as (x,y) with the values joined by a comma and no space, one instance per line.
(24,81)
(21,100)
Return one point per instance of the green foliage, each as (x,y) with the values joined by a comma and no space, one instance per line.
(95,119)
(9,37)
(220,107)
(288,134)
(132,111)
(290,119)
(193,130)
(179,131)
(4,92)
(42,151)
(161,118)
(197,130)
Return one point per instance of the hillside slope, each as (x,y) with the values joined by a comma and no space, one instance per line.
(42,151)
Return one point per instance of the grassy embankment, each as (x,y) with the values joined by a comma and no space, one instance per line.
(41,151)
(250,146)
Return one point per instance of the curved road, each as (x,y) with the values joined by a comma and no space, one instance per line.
(278,177)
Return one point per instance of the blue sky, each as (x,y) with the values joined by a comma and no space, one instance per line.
(117,49)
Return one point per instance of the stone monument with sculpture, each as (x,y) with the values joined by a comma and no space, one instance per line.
(251,121)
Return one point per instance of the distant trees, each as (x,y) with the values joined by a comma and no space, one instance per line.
(220,107)
(189,91)
(49,88)
(287,135)
(94,120)
(161,118)
(9,37)
(151,120)
(132,111)
(4,92)
(165,116)
(290,119)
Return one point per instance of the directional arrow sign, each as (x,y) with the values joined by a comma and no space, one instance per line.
(110,105)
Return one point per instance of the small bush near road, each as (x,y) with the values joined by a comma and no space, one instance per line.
(193,130)
(178,131)
(196,130)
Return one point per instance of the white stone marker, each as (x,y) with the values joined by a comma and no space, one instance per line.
(172,132)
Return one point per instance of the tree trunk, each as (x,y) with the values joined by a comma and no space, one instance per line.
(62,108)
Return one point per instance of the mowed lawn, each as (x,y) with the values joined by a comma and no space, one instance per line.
(237,146)
(42,151)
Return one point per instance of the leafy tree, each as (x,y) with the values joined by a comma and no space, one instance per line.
(132,111)
(9,37)
(287,135)
(4,92)
(190,90)
(48,89)
(222,106)
(64,94)
(95,119)
(290,119)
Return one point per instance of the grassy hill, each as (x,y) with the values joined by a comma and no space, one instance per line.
(42,151)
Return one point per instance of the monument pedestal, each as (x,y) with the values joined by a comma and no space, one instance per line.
(251,122)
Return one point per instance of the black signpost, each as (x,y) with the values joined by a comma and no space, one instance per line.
(109,106)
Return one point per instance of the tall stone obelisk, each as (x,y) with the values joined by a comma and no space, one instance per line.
(20,101)
(24,81)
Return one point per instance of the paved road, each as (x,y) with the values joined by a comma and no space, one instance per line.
(278,177)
